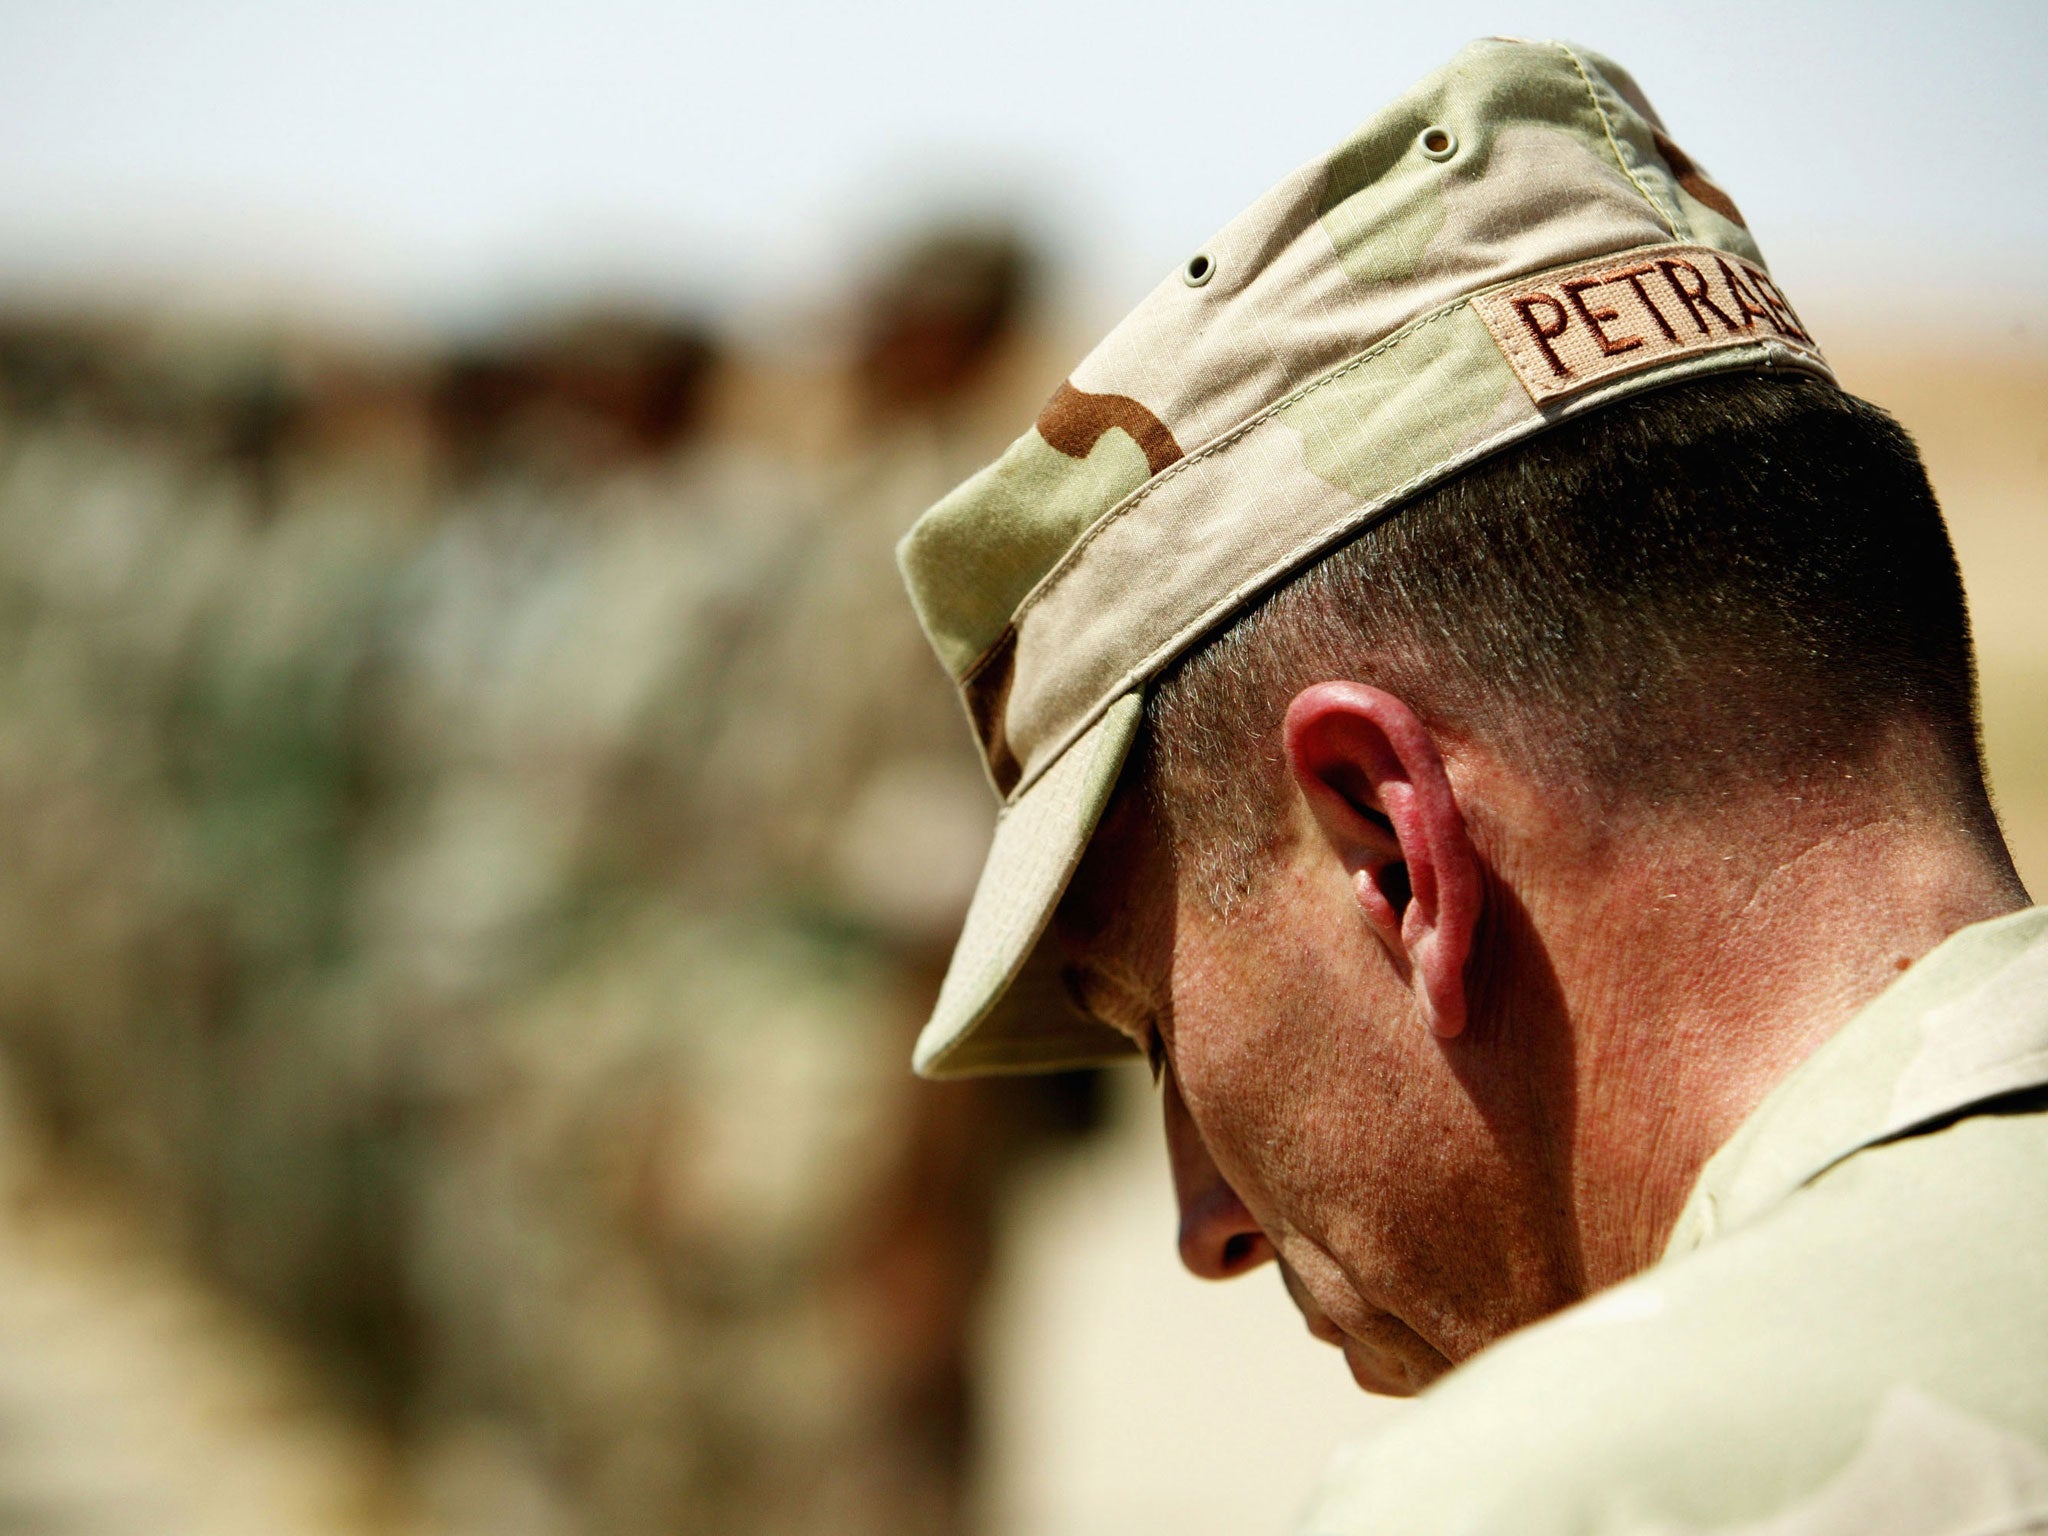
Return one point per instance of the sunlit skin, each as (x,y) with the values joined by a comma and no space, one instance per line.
(1458,1059)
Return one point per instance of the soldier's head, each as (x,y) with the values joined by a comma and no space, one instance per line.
(1460,632)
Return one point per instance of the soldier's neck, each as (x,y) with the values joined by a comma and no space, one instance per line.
(1707,974)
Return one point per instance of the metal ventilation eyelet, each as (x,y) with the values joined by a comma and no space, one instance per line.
(1437,142)
(1200,268)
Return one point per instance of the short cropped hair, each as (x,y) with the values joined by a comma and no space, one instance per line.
(1649,609)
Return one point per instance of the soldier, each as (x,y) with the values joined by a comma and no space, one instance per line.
(1482,709)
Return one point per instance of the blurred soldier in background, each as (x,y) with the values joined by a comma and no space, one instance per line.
(477,830)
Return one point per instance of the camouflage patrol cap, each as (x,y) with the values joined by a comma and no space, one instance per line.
(1511,243)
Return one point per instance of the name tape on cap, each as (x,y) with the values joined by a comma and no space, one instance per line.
(1567,330)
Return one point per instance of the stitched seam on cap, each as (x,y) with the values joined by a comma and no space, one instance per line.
(980,663)
(1216,445)
(1669,216)
(1258,419)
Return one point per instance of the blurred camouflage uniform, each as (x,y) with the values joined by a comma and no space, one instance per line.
(478,836)
(161,875)
(686,1260)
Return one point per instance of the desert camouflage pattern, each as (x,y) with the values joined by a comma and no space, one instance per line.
(1847,1335)
(1513,241)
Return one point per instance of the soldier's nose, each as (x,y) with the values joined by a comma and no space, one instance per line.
(1219,1240)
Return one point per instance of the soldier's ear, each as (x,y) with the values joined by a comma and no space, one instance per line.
(1374,780)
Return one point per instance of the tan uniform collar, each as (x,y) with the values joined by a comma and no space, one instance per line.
(1966,1024)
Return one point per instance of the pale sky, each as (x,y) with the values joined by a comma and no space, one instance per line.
(442,160)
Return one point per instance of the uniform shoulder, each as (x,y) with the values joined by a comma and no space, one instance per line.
(1863,1360)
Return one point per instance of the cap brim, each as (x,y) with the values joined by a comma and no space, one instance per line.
(1040,837)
